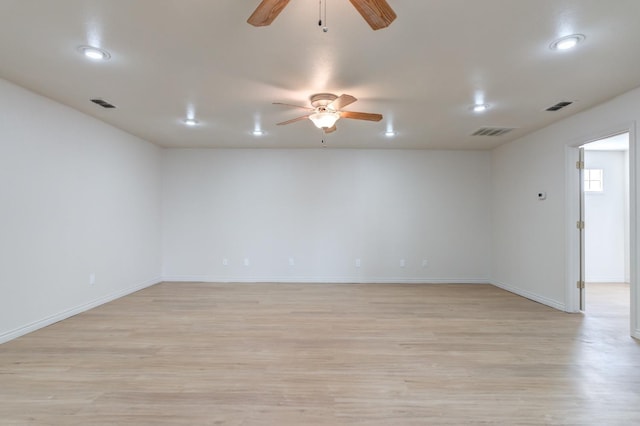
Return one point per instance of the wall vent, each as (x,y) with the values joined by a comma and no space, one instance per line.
(559,106)
(492,131)
(102,103)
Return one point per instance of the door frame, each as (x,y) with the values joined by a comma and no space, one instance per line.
(572,191)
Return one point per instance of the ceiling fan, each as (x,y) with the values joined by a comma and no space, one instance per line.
(377,13)
(326,109)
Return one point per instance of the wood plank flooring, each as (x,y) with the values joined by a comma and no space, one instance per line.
(323,354)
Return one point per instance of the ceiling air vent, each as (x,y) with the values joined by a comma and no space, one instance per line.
(559,106)
(492,131)
(102,103)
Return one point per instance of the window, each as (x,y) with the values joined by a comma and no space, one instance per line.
(593,180)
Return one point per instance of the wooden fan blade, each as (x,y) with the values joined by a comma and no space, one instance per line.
(294,106)
(361,115)
(266,12)
(377,13)
(330,129)
(293,120)
(341,102)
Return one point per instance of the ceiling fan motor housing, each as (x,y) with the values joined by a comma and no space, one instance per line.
(321,100)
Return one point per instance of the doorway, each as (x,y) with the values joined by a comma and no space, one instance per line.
(573,182)
(606,242)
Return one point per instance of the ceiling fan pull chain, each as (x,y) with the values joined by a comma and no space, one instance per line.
(322,17)
(325,28)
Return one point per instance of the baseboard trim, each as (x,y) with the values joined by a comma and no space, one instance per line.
(52,319)
(636,334)
(319,280)
(531,296)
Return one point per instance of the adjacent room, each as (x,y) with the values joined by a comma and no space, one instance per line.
(324,212)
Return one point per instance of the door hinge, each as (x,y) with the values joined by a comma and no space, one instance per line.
(580,284)
(580,165)
(580,224)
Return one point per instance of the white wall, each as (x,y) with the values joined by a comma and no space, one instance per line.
(325,209)
(530,236)
(77,197)
(605,216)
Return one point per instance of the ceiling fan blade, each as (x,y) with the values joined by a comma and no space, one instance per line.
(266,12)
(293,120)
(361,115)
(330,129)
(294,106)
(377,13)
(341,102)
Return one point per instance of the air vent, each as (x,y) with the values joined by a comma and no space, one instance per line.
(559,106)
(102,103)
(492,131)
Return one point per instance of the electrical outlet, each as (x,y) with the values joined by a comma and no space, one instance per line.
(292,261)
(92,278)
(402,263)
(246,261)
(225,262)
(425,263)
(358,263)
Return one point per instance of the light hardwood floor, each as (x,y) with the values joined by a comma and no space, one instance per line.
(324,354)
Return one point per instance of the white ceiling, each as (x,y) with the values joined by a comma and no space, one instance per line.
(422,73)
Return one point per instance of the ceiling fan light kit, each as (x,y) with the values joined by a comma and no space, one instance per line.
(324,119)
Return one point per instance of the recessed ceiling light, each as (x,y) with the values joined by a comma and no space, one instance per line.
(567,42)
(480,108)
(190,121)
(390,133)
(257,132)
(94,53)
